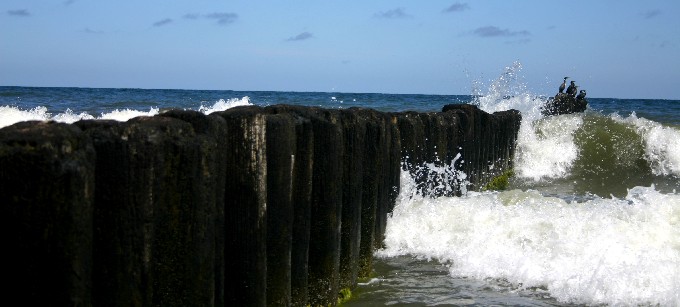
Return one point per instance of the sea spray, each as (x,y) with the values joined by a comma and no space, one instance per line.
(574,247)
(127,114)
(662,144)
(603,251)
(546,147)
(10,114)
(436,179)
(222,105)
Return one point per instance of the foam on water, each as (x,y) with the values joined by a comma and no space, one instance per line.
(545,145)
(10,115)
(602,251)
(662,144)
(509,92)
(69,117)
(615,251)
(127,114)
(222,105)
(546,148)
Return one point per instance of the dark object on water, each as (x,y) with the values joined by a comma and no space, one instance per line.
(563,85)
(564,104)
(571,90)
(581,95)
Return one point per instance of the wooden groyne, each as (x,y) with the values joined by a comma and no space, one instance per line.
(274,206)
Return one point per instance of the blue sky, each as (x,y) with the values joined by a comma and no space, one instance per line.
(618,49)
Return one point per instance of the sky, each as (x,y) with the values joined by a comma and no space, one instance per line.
(611,48)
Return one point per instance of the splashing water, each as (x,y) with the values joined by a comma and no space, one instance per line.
(613,251)
(222,105)
(662,144)
(545,145)
(616,251)
(507,92)
(10,115)
(435,179)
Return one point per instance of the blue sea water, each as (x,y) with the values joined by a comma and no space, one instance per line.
(592,216)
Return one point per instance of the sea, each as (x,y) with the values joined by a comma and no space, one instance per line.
(591,216)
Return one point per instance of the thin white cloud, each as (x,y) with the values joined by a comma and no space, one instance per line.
(300,37)
(90,31)
(163,22)
(19,13)
(519,41)
(456,7)
(651,14)
(397,13)
(493,31)
(191,16)
(666,44)
(222,18)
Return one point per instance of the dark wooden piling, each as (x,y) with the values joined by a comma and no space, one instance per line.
(281,161)
(354,133)
(324,242)
(276,206)
(245,207)
(46,199)
(210,131)
(155,213)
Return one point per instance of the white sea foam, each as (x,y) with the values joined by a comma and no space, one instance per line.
(611,251)
(546,148)
(10,115)
(509,92)
(69,117)
(127,114)
(545,145)
(222,105)
(604,251)
(662,144)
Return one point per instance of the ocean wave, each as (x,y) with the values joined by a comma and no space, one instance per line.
(662,144)
(618,251)
(546,148)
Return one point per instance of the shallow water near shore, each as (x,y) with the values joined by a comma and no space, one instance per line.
(408,281)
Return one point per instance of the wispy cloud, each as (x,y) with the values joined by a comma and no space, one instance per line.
(651,14)
(90,31)
(519,41)
(19,13)
(456,7)
(69,2)
(300,37)
(493,31)
(191,16)
(223,18)
(162,22)
(666,44)
(393,14)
